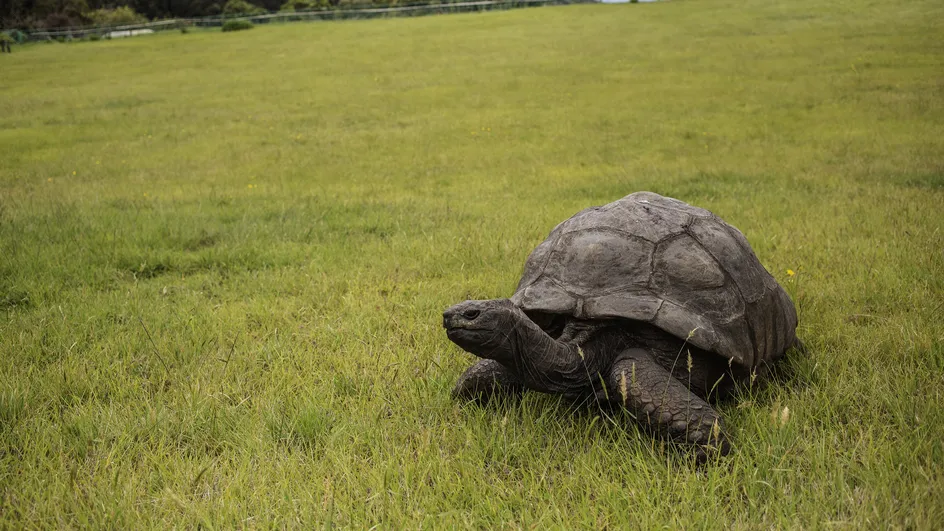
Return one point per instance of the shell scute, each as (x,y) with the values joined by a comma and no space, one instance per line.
(741,265)
(681,263)
(681,322)
(593,262)
(649,219)
(639,305)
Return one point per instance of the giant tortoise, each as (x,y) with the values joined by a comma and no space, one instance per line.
(647,303)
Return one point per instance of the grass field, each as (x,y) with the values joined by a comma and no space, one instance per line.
(224,258)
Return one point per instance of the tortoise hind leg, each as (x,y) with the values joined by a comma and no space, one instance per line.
(665,404)
(486,379)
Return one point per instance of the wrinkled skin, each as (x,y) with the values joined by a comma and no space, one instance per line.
(660,379)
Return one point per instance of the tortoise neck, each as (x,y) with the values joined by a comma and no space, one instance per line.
(548,365)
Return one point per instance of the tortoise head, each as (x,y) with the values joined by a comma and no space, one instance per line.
(484,328)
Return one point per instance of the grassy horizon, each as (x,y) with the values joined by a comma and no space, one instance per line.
(224,258)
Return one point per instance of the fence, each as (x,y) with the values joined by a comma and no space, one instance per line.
(291,16)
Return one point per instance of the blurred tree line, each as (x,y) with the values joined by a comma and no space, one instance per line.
(70,13)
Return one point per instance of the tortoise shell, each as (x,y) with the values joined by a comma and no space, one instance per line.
(659,260)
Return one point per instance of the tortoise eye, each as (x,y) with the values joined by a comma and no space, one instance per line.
(471,314)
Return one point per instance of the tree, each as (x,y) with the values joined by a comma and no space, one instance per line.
(120,16)
(241,7)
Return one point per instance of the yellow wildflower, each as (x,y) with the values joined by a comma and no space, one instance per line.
(790,272)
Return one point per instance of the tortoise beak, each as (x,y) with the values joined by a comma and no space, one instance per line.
(462,315)
(452,317)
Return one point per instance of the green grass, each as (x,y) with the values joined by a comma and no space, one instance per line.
(223,260)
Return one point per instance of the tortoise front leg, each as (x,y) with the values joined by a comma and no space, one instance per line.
(485,379)
(639,383)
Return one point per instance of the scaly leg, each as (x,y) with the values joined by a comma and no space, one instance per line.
(664,403)
(485,379)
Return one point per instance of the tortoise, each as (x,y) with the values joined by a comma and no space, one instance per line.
(647,303)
